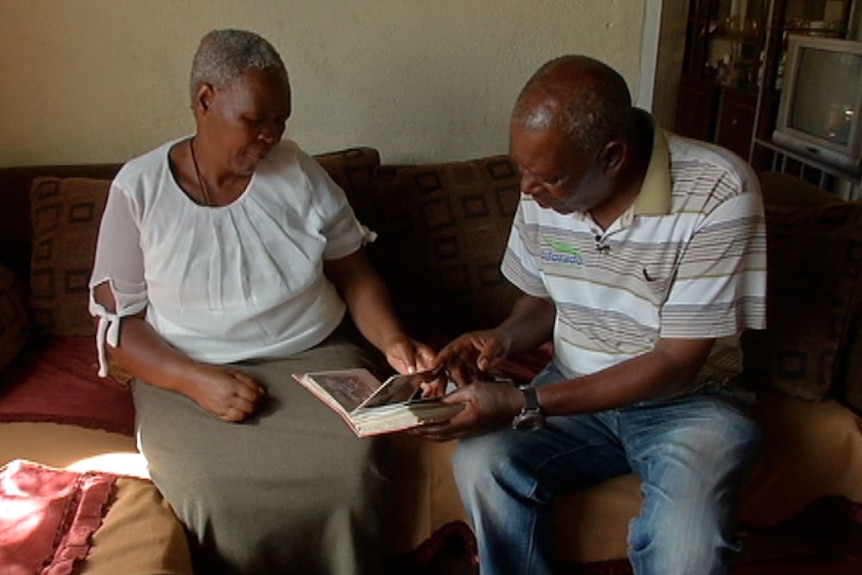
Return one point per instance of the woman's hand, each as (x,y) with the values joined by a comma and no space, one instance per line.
(406,354)
(367,298)
(226,392)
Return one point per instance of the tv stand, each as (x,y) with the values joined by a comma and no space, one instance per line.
(844,183)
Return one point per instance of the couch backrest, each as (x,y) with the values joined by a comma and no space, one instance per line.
(443,230)
(814,295)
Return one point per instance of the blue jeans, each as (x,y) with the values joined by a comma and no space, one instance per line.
(691,454)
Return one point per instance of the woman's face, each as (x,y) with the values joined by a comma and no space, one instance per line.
(246,119)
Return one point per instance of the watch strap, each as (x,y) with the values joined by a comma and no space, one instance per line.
(531,399)
(531,416)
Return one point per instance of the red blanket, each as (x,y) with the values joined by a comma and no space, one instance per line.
(47,517)
(56,380)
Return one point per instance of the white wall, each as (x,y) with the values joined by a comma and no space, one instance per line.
(421,80)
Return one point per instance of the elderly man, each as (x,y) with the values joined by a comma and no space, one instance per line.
(643,255)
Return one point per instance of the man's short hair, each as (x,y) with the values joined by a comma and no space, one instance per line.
(584,98)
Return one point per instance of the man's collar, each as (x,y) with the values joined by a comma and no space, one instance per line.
(654,196)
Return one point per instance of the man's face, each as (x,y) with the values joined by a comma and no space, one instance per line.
(248,117)
(556,177)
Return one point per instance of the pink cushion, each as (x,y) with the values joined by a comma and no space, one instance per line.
(47,516)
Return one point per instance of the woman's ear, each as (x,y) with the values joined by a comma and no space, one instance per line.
(203,98)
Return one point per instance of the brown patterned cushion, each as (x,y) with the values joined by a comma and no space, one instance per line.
(444,233)
(354,171)
(814,285)
(65,214)
(14,324)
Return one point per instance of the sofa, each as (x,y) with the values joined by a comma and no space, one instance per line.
(67,437)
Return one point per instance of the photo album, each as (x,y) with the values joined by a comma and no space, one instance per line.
(371,407)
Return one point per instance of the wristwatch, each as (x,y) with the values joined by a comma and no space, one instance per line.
(532,416)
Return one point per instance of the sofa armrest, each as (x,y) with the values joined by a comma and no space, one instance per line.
(14,323)
(140,534)
(850,391)
(781,189)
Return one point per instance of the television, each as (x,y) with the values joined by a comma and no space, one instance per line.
(821,101)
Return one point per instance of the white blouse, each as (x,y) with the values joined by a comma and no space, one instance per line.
(228,283)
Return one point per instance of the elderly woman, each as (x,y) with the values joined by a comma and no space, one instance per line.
(226,262)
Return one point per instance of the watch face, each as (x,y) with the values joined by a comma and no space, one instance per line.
(528,421)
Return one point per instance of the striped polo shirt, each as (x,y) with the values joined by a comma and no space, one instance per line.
(686,260)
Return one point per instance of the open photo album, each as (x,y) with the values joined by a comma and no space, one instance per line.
(371,407)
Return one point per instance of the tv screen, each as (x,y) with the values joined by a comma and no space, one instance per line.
(827,113)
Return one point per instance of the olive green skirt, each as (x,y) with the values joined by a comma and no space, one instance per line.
(290,490)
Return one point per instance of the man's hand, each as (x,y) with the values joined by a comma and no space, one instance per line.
(489,405)
(466,357)
(226,392)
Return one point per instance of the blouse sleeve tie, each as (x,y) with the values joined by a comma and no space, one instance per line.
(368,235)
(108,329)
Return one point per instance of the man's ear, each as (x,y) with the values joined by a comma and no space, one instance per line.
(612,157)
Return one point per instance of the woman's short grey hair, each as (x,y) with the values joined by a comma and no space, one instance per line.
(223,55)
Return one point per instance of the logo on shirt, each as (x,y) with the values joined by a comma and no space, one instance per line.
(560,253)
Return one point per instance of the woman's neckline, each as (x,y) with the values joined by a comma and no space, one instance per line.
(204,201)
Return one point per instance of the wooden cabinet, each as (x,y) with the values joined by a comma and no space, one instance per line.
(725,41)
(735,124)
(697,108)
